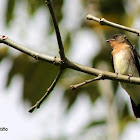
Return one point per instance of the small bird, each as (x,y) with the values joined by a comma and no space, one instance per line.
(125,61)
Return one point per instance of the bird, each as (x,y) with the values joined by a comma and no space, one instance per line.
(125,61)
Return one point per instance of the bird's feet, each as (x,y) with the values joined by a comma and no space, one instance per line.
(129,76)
(117,74)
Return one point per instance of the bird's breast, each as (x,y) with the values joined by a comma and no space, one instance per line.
(124,63)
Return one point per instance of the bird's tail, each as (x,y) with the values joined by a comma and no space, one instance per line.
(136,108)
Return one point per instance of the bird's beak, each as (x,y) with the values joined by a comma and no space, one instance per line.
(110,40)
(107,40)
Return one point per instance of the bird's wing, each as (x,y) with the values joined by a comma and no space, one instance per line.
(112,63)
(137,62)
(136,56)
(136,108)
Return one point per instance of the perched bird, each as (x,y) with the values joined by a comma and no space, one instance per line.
(125,61)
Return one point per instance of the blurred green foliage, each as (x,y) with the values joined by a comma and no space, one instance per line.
(36,75)
(90,90)
(10,10)
(39,75)
(3,53)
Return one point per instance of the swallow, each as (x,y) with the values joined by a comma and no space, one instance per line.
(125,61)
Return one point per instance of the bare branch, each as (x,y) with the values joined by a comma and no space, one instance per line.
(105,74)
(58,35)
(34,54)
(38,103)
(103,21)
(86,82)
(68,63)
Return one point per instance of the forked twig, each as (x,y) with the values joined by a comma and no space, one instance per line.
(100,76)
(62,56)
(38,103)
(68,64)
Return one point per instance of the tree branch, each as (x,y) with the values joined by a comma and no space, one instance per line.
(103,21)
(38,56)
(38,103)
(69,64)
(99,77)
(58,35)
(63,62)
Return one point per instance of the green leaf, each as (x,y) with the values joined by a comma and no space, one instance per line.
(112,7)
(67,42)
(10,11)
(3,53)
(95,123)
(34,5)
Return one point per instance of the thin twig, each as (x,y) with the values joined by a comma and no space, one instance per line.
(38,103)
(86,82)
(68,63)
(58,35)
(103,21)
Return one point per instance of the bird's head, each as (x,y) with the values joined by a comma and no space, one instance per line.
(117,39)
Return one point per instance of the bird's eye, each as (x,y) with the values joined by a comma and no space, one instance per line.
(115,37)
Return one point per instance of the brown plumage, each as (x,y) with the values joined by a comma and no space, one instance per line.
(125,61)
